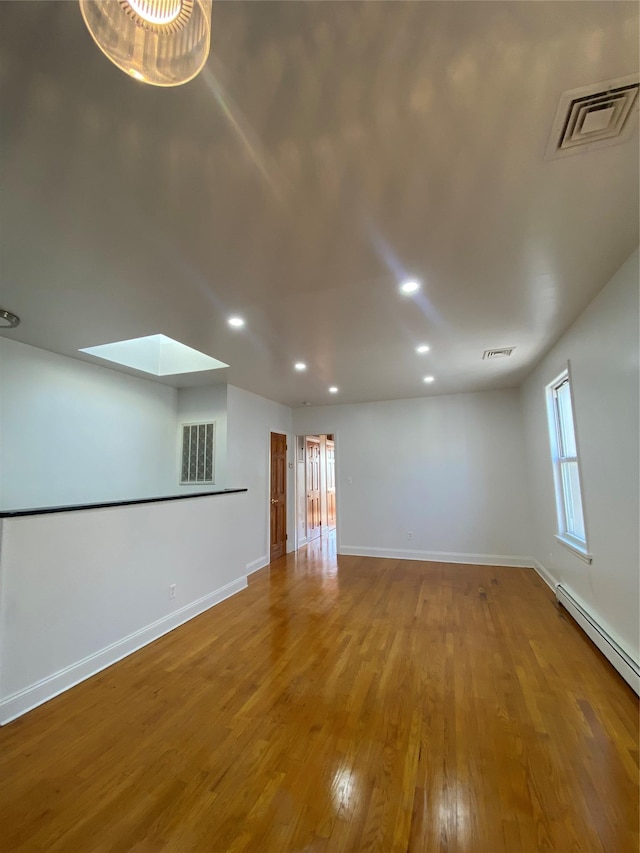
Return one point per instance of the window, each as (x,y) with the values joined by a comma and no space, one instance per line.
(198,450)
(566,469)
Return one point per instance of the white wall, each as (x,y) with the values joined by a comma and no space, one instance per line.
(250,421)
(72,432)
(198,405)
(99,589)
(450,469)
(602,347)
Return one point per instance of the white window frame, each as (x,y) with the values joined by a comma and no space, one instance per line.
(574,543)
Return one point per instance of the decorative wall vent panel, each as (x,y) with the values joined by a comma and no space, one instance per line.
(198,451)
(594,117)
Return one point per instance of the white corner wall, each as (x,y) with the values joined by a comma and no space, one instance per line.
(448,469)
(202,404)
(250,421)
(72,432)
(602,347)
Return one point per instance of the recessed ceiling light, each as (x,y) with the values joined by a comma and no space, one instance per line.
(236,322)
(333,390)
(422,348)
(429,378)
(410,287)
(300,365)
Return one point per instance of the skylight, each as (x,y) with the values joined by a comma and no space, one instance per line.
(156,354)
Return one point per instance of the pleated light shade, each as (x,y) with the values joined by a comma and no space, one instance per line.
(161,42)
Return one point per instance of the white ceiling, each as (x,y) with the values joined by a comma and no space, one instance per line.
(327,150)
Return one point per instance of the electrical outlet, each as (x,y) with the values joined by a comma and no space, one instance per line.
(172,591)
(409,535)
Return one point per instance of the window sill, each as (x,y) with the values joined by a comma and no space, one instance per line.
(574,548)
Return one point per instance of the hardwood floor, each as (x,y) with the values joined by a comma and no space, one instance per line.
(353,706)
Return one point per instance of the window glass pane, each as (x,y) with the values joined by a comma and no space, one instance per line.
(193,455)
(208,468)
(198,452)
(572,499)
(185,454)
(565,418)
(201,448)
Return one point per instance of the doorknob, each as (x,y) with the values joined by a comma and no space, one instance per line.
(274,500)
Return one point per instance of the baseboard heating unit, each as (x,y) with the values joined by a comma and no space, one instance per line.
(626,666)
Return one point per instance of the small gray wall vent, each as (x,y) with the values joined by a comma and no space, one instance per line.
(594,117)
(505,352)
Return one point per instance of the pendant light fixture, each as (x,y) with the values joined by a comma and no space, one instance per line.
(161,42)
(8,320)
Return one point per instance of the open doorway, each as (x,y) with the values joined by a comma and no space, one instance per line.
(315,487)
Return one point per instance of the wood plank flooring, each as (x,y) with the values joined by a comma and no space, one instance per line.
(339,705)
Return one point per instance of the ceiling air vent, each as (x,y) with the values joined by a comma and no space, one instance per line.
(505,352)
(594,117)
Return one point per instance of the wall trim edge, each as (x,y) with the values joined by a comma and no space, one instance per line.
(437,556)
(546,576)
(254,565)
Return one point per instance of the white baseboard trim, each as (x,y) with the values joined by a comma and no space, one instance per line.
(254,565)
(36,694)
(546,575)
(628,668)
(436,556)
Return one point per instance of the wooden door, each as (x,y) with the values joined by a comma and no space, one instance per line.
(314,518)
(278,546)
(331,484)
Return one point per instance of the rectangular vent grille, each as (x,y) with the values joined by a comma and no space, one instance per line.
(594,116)
(505,352)
(198,449)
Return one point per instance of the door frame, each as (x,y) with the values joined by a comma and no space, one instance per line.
(336,445)
(287,514)
(335,482)
(314,439)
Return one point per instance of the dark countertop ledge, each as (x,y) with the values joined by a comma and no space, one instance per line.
(48,510)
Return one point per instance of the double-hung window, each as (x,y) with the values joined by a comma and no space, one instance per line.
(566,468)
